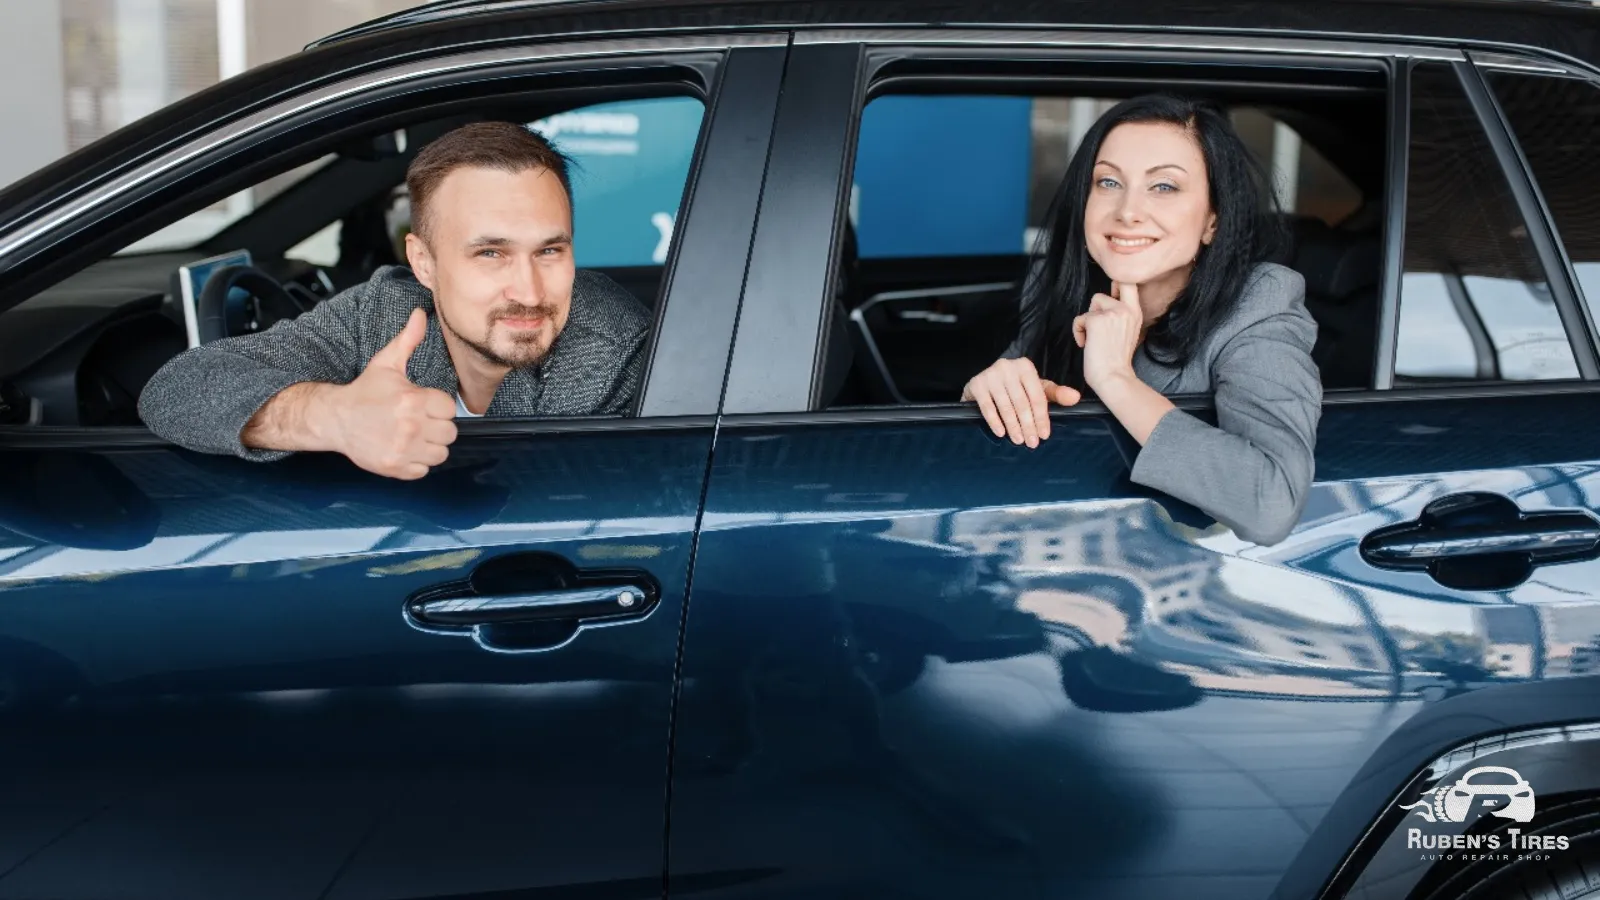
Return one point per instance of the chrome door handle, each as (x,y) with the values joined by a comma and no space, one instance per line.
(529,602)
(1539,541)
(579,604)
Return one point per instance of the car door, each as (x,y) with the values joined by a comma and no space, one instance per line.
(298,680)
(924,662)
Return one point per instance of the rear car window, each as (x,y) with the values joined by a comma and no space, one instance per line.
(907,199)
(1475,304)
(1556,120)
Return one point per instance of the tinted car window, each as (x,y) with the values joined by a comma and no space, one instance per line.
(1475,304)
(1557,122)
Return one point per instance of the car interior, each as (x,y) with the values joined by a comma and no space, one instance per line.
(915,329)
(80,352)
(907,330)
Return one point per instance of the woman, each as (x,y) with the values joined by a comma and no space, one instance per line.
(1153,281)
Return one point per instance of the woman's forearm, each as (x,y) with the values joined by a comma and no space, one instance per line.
(1138,406)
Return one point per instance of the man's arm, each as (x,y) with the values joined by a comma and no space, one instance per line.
(292,421)
(208,398)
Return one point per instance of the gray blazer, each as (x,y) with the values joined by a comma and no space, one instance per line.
(1252,471)
(202,398)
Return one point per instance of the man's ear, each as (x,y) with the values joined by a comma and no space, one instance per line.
(420,258)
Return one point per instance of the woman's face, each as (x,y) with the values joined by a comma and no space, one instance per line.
(1149,206)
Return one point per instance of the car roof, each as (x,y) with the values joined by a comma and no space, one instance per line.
(1369,17)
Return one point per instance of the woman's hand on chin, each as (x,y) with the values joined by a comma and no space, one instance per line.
(1109,334)
(1015,401)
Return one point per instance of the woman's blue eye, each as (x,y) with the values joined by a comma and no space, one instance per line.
(1107,182)
(1166,187)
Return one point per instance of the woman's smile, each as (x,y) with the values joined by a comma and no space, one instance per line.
(1129,244)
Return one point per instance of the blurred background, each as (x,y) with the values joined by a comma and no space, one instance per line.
(75,70)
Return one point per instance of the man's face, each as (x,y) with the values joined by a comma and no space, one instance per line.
(498,259)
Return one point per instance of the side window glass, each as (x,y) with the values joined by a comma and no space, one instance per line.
(1474,301)
(1557,122)
(630,162)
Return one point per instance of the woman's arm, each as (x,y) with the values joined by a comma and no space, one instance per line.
(1138,406)
(1253,470)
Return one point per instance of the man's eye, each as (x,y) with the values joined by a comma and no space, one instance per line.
(489,254)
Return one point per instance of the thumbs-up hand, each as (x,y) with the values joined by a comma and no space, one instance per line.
(383,422)
(1109,334)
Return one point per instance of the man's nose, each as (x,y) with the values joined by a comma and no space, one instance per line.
(526,287)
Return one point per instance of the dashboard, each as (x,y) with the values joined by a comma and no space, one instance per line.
(79,353)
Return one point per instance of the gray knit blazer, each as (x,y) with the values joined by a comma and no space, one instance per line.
(203,398)
(1252,471)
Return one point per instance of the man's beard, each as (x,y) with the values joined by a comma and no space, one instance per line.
(535,355)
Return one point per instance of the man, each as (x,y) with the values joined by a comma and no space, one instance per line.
(491,319)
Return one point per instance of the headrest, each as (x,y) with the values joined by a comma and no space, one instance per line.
(1335,264)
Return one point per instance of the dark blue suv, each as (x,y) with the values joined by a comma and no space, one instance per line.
(799,625)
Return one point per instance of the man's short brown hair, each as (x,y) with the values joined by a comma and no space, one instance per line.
(506,146)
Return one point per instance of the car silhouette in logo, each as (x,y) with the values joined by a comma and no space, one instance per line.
(1452,803)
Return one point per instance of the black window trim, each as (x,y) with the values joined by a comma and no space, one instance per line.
(697,304)
(1535,215)
(769,396)
(1583,332)
(1394,226)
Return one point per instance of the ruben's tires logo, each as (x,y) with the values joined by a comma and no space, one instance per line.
(1454,802)
(1496,790)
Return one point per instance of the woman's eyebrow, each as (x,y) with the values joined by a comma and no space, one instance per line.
(1111,165)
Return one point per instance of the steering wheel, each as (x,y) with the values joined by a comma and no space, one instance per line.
(268,303)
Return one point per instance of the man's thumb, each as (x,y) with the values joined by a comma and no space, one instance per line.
(398,352)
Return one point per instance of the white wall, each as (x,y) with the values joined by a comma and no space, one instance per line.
(31,89)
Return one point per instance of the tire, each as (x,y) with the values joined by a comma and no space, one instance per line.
(1571,874)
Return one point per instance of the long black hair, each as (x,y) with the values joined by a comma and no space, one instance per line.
(1248,231)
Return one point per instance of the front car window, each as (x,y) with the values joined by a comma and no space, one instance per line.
(200,226)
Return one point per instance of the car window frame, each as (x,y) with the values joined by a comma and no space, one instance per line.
(1559,276)
(782,318)
(739,79)
(1587,308)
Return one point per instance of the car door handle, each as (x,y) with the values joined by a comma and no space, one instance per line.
(1444,544)
(526,602)
(1483,541)
(577,604)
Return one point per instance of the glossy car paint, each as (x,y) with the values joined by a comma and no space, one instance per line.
(255,716)
(890,663)
(211,685)
(922,662)
(882,695)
